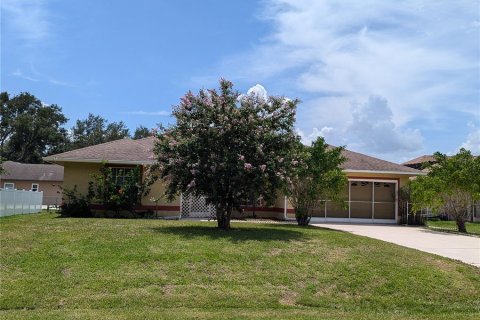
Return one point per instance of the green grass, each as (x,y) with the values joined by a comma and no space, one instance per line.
(472,227)
(57,268)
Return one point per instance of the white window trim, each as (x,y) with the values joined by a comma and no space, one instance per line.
(35,184)
(9,183)
(124,175)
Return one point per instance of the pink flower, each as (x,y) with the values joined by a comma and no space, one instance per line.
(241,157)
(248,166)
(191,184)
(263,167)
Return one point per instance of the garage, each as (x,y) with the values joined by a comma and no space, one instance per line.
(369,201)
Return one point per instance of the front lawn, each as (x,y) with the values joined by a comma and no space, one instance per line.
(451,226)
(61,268)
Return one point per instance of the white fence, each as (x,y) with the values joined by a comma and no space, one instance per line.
(19,202)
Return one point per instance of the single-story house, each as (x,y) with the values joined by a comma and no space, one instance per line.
(372,193)
(36,177)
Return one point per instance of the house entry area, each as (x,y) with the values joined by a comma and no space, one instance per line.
(369,201)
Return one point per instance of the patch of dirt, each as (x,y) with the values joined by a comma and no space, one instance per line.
(168,289)
(274,252)
(66,272)
(288,298)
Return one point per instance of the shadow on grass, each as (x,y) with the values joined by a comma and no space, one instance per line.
(238,234)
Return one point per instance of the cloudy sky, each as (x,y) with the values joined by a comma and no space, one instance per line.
(393,79)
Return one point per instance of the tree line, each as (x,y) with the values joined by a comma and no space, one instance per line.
(31,130)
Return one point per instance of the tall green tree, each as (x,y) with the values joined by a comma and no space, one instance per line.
(29,129)
(451,185)
(142,132)
(224,145)
(316,176)
(95,130)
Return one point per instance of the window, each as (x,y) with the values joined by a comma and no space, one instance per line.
(120,175)
(34,186)
(9,185)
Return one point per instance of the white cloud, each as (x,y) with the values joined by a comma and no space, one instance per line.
(29,18)
(19,73)
(373,129)
(148,113)
(421,56)
(314,134)
(472,142)
(258,91)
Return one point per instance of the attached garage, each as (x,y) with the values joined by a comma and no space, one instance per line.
(369,201)
(372,194)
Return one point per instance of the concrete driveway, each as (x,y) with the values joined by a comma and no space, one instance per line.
(453,246)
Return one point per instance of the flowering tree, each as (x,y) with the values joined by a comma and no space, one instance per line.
(224,145)
(452,184)
(316,176)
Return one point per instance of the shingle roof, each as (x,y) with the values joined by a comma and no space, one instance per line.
(140,152)
(420,160)
(361,162)
(118,151)
(36,172)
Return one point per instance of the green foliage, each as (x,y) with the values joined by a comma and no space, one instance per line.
(105,189)
(224,146)
(95,130)
(316,176)
(142,132)
(451,185)
(30,130)
(74,204)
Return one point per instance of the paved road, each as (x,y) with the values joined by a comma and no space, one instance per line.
(454,246)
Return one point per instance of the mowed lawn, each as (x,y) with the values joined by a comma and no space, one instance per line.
(472,227)
(57,268)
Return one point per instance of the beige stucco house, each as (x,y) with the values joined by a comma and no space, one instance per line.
(372,191)
(36,177)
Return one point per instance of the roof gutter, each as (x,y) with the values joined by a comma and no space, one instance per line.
(56,160)
(419,173)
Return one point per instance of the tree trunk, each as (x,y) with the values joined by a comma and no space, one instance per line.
(223,218)
(461,225)
(302,216)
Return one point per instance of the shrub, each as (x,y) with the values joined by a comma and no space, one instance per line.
(74,204)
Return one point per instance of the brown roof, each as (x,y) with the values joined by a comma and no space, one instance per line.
(140,152)
(36,172)
(361,162)
(420,160)
(118,151)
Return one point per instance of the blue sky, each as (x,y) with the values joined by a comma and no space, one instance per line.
(394,79)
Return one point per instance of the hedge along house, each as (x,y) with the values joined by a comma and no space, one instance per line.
(372,194)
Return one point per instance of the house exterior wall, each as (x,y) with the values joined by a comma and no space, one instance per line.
(80,173)
(51,189)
